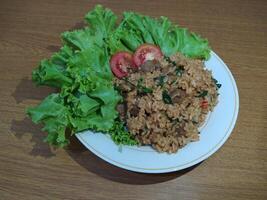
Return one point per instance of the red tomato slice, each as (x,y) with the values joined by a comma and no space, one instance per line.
(120,63)
(146,52)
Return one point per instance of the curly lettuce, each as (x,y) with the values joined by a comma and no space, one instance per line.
(136,29)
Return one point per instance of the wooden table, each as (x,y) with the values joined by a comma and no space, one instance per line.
(30,169)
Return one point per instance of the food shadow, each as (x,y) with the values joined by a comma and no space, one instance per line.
(26,90)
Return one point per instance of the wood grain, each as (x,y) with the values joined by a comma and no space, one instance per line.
(30,169)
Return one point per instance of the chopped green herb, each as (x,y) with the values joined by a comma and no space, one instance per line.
(203,94)
(218,85)
(167,58)
(170,61)
(173,82)
(179,70)
(175,120)
(161,80)
(142,89)
(166,97)
(140,83)
(146,90)
(215,81)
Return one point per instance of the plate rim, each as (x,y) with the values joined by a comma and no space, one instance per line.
(186,165)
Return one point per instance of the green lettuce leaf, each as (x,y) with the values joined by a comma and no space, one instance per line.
(55,116)
(135,22)
(53,72)
(124,40)
(190,44)
(87,99)
(50,74)
(106,94)
(90,63)
(61,58)
(136,29)
(102,21)
(81,39)
(82,105)
(99,115)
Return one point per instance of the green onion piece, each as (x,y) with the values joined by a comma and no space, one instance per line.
(142,89)
(161,80)
(203,94)
(179,71)
(216,83)
(166,97)
(147,90)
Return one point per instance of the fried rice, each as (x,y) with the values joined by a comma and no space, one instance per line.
(166,101)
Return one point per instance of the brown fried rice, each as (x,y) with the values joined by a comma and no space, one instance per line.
(166,101)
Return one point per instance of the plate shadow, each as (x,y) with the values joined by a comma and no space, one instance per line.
(96,165)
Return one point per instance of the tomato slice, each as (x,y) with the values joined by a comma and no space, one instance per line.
(120,63)
(146,52)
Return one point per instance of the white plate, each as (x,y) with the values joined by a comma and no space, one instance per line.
(217,128)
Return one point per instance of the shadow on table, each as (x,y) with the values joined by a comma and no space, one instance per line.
(26,126)
(27,90)
(78,25)
(100,167)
